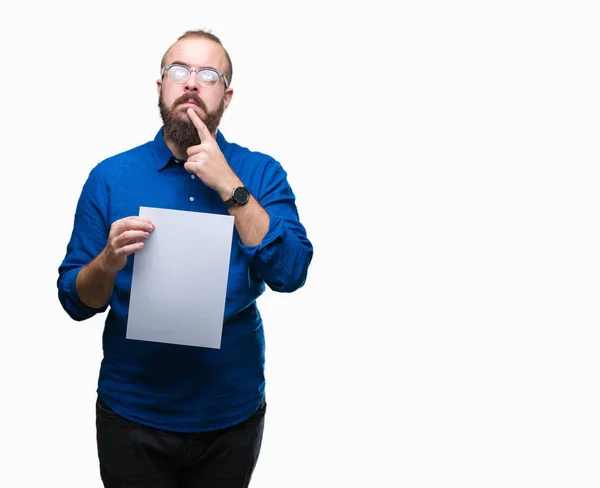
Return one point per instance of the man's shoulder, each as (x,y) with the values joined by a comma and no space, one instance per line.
(126,159)
(127,155)
(243,153)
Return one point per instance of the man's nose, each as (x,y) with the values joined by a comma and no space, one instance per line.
(192,83)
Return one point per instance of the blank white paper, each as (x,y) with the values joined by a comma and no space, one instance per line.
(179,278)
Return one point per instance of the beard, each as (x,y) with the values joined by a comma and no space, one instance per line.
(178,127)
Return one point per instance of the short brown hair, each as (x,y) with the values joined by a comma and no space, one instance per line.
(202,34)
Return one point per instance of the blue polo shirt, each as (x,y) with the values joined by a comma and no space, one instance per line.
(174,387)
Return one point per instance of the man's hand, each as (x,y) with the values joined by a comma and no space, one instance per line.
(207,162)
(96,280)
(125,237)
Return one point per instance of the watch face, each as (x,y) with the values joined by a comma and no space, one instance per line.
(241,195)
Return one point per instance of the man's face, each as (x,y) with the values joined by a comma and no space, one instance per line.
(176,98)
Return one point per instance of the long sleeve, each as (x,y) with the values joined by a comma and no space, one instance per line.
(283,257)
(88,238)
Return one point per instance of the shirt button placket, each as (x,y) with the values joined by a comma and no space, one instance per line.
(192,187)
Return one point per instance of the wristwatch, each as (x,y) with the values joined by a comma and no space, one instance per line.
(239,196)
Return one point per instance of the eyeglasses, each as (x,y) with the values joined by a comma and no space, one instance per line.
(206,77)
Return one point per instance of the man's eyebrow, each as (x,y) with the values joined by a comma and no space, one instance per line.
(178,62)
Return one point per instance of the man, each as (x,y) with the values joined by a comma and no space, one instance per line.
(169,415)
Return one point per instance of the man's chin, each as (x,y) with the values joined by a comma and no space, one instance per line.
(181,131)
(180,112)
(179,115)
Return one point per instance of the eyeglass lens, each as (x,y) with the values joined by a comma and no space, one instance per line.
(205,77)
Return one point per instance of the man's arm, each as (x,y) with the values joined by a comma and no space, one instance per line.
(274,241)
(208,163)
(87,273)
(251,220)
(95,281)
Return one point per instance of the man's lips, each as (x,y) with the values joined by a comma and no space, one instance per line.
(189,103)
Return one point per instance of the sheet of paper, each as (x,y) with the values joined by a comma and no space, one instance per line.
(180,279)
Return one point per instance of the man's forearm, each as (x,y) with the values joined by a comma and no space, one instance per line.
(95,282)
(251,222)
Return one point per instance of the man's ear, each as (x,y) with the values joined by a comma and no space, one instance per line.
(227,97)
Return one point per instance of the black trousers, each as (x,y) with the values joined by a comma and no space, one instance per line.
(135,456)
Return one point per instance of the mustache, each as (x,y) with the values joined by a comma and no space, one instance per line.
(191,96)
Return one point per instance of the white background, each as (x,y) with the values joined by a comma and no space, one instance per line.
(444,156)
